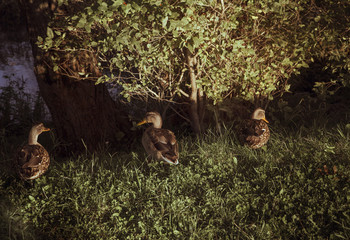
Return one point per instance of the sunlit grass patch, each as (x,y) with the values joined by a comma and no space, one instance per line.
(220,190)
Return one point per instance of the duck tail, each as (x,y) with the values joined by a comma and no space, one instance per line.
(173,160)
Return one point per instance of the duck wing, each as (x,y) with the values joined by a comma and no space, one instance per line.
(32,161)
(165,142)
(255,133)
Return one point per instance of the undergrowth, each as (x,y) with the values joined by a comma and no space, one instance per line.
(297,187)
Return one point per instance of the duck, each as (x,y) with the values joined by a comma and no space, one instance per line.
(32,160)
(158,142)
(255,132)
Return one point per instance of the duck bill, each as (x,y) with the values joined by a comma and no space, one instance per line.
(46,129)
(264,119)
(142,122)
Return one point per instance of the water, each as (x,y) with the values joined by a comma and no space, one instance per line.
(17,63)
(17,73)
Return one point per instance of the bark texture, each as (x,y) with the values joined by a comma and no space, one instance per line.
(83,113)
(196,97)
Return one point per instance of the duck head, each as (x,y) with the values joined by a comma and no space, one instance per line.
(259,114)
(35,131)
(152,117)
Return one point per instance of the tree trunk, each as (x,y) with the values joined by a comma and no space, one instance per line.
(83,113)
(195,97)
(201,107)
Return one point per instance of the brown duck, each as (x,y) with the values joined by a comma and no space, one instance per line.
(255,133)
(160,143)
(32,160)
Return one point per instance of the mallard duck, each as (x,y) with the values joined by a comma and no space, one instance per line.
(255,133)
(32,160)
(160,143)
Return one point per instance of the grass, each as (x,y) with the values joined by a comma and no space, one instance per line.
(290,189)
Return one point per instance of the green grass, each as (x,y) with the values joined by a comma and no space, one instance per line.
(220,190)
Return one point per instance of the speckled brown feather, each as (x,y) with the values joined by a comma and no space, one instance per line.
(160,142)
(254,133)
(32,161)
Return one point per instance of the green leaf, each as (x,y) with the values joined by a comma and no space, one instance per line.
(196,42)
(31,198)
(287,62)
(235,161)
(88,28)
(81,22)
(164,21)
(317,19)
(49,33)
(103,7)
(117,3)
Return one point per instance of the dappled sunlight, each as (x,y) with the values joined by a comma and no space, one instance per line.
(295,186)
(215,72)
